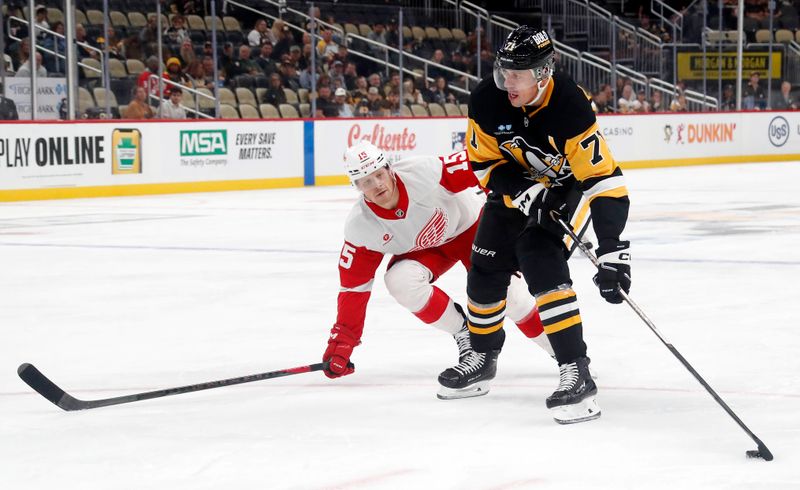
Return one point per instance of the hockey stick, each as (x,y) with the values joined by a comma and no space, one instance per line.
(762,451)
(42,385)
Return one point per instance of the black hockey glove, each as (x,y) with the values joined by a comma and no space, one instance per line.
(546,202)
(614,272)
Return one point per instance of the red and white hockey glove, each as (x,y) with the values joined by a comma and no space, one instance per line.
(337,355)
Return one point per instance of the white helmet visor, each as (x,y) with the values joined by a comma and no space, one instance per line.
(515,80)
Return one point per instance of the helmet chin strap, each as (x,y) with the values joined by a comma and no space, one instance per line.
(541,86)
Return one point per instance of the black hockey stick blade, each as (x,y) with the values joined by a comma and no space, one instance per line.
(63,400)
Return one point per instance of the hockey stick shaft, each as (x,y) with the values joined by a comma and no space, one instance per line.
(42,385)
(767,455)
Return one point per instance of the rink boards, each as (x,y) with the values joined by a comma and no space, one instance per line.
(112,158)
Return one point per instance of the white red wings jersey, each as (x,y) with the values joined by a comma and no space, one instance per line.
(439,200)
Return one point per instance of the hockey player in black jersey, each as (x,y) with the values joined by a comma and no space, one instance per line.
(534,142)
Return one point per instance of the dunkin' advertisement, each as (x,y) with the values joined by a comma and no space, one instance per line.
(397,137)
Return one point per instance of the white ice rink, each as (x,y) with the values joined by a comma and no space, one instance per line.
(121,295)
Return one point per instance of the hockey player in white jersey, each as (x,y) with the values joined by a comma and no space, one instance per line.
(424,212)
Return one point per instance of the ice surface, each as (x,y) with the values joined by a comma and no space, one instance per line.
(119,295)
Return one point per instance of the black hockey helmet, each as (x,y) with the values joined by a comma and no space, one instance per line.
(526,48)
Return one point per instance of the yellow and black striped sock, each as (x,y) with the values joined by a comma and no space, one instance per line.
(485,323)
(561,319)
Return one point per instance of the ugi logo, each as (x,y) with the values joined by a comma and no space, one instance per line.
(204,142)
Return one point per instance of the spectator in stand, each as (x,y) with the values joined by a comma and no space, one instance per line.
(784,101)
(243,65)
(359,93)
(208,70)
(265,61)
(362,109)
(628,103)
(472,41)
(41,21)
(176,32)
(753,96)
(259,34)
(144,80)
(295,55)
(114,44)
(411,95)
(393,85)
(657,29)
(81,42)
(172,108)
(25,68)
(275,32)
(337,73)
(207,49)
(196,74)
(374,80)
(643,104)
(8,109)
(433,70)
(440,93)
(56,44)
(350,76)
(306,77)
(600,100)
(728,100)
(138,108)
(186,53)
(374,99)
(274,94)
(394,103)
(228,56)
(149,35)
(457,61)
(378,35)
(345,109)
(9,65)
(657,102)
(326,47)
(324,101)
(175,74)
(289,75)
(285,42)
(384,109)
(679,104)
(305,58)
(343,55)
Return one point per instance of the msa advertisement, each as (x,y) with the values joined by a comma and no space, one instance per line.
(232,150)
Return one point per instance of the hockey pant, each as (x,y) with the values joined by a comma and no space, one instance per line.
(506,242)
(410,277)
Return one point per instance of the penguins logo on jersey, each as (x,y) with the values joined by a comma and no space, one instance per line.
(538,163)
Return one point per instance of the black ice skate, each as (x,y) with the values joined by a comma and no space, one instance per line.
(574,399)
(470,377)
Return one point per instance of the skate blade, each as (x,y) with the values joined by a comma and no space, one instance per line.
(477,389)
(583,411)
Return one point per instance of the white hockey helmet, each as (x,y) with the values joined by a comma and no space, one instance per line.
(363,159)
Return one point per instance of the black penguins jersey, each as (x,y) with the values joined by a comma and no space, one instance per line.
(557,143)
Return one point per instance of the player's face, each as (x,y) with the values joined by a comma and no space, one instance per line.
(379,187)
(520,85)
